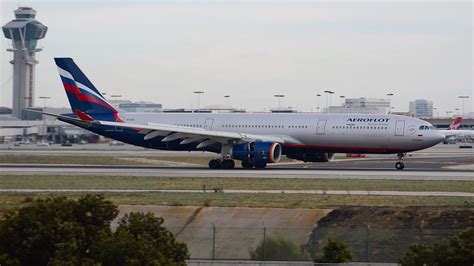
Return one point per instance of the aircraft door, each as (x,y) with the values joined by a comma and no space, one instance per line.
(321,127)
(208,123)
(399,127)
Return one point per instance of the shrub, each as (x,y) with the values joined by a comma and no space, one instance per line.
(278,249)
(61,231)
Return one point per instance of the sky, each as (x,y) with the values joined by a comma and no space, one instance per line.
(162,51)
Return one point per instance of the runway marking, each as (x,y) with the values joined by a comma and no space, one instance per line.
(158,162)
(247,191)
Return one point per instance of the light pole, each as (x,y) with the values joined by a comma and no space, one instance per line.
(317,102)
(227,99)
(342,99)
(44,129)
(389,102)
(279,96)
(435,112)
(330,97)
(44,98)
(328,93)
(456,112)
(462,97)
(448,112)
(198,93)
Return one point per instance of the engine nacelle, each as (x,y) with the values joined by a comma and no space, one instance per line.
(313,156)
(257,152)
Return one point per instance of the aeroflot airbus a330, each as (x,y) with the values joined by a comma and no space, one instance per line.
(255,139)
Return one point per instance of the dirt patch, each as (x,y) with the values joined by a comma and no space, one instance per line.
(384,234)
(398,217)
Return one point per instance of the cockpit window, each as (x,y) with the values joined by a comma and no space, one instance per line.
(426,127)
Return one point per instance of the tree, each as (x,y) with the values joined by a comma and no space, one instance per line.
(61,231)
(336,251)
(459,250)
(140,239)
(278,249)
(34,234)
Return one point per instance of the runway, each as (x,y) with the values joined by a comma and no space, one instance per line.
(272,172)
(441,162)
(232,191)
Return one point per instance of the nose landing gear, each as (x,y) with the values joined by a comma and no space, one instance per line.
(400,165)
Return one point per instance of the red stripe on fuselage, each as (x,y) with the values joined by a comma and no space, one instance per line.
(344,148)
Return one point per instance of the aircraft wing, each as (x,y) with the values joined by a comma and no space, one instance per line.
(188,134)
(172,132)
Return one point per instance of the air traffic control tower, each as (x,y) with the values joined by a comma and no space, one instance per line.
(24,31)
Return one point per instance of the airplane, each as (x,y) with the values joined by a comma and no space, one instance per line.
(454,133)
(255,139)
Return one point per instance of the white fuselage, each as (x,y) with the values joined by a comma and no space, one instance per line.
(337,132)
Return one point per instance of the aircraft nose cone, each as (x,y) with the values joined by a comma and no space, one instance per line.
(438,137)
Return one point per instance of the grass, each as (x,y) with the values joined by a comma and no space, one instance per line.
(145,182)
(15,200)
(103,160)
(201,159)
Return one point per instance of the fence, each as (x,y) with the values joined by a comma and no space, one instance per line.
(368,243)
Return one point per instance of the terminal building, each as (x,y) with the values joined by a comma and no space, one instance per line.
(362,105)
(45,128)
(444,122)
(141,107)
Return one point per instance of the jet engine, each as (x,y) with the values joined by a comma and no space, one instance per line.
(257,154)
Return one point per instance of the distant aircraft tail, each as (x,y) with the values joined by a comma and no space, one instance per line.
(456,124)
(86,101)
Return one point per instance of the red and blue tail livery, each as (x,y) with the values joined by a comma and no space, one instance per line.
(86,101)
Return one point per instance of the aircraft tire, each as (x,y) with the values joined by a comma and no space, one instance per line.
(399,165)
(215,164)
(228,164)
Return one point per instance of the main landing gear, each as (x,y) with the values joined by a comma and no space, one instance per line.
(230,164)
(400,165)
(221,164)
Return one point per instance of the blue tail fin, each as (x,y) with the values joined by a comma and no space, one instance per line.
(86,101)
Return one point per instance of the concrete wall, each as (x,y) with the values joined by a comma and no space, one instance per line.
(229,233)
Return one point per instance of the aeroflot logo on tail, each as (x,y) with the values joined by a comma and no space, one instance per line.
(380,120)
